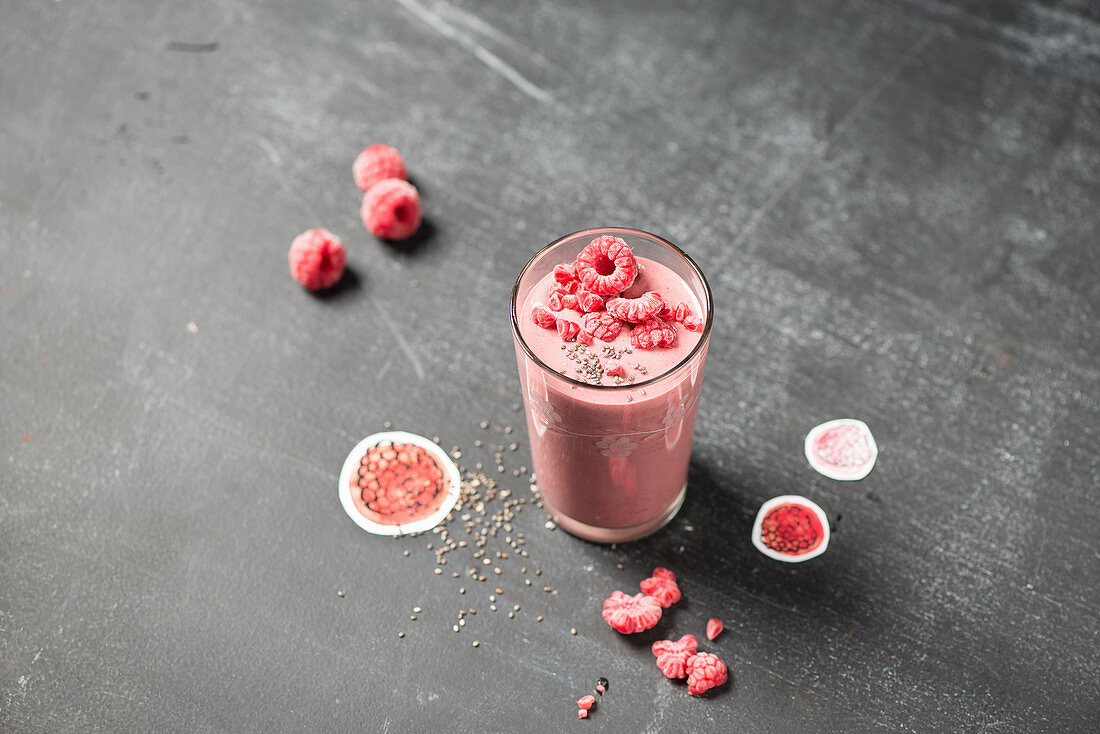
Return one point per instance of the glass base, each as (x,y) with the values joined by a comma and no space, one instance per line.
(615,535)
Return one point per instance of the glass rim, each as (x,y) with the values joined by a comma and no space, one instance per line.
(596,232)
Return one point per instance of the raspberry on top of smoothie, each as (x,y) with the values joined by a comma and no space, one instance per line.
(607,295)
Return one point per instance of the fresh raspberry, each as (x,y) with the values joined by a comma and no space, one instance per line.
(601,325)
(541,316)
(568,330)
(564,274)
(554,302)
(582,713)
(705,671)
(629,614)
(672,656)
(317,259)
(662,587)
(391,209)
(636,310)
(375,163)
(714,628)
(606,266)
(589,302)
(615,369)
(586,702)
(693,323)
(653,332)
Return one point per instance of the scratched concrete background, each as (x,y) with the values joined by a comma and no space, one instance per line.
(896,204)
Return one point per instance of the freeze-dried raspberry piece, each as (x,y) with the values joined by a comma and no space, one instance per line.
(375,163)
(568,330)
(542,316)
(629,614)
(586,702)
(589,302)
(585,337)
(565,288)
(554,302)
(681,311)
(391,209)
(601,325)
(705,671)
(672,656)
(636,310)
(582,713)
(653,332)
(693,323)
(615,369)
(662,586)
(714,628)
(317,259)
(606,266)
(564,273)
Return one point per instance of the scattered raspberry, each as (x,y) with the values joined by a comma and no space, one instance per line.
(375,163)
(653,332)
(636,310)
(630,614)
(564,274)
(606,266)
(554,302)
(615,369)
(705,671)
(693,323)
(391,209)
(662,587)
(714,628)
(582,713)
(542,316)
(589,302)
(568,330)
(317,259)
(672,656)
(586,702)
(601,325)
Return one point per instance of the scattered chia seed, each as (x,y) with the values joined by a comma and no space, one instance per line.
(400,634)
(573,631)
(340,594)
(485,424)
(475,643)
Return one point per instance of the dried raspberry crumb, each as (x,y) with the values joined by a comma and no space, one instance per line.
(601,325)
(391,209)
(681,312)
(672,656)
(554,302)
(571,300)
(606,266)
(582,713)
(586,702)
(714,628)
(567,330)
(705,671)
(565,288)
(693,323)
(541,316)
(317,259)
(662,587)
(615,369)
(375,163)
(585,337)
(564,274)
(630,614)
(652,333)
(636,310)
(589,302)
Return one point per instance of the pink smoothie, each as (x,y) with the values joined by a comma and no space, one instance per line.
(611,454)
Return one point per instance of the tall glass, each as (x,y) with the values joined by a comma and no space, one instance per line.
(611,461)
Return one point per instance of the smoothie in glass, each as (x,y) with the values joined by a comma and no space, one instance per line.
(611,421)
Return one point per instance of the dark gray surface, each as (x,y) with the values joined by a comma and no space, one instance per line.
(897,207)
